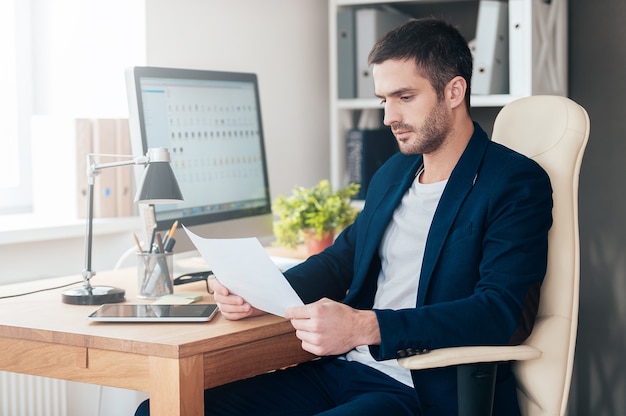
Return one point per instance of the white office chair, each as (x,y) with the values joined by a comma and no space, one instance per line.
(554,132)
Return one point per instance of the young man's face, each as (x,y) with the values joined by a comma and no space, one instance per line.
(419,121)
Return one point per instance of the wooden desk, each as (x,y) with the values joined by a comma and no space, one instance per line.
(42,336)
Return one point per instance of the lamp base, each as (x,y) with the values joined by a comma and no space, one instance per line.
(93,295)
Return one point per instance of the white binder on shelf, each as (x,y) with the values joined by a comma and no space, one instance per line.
(371,24)
(104,143)
(124,177)
(491,55)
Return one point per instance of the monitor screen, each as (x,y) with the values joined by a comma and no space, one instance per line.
(210,122)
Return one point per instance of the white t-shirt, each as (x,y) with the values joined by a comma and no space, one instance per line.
(401,252)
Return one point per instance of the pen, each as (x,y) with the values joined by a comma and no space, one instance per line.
(163,263)
(170,233)
(159,241)
(152,239)
(169,245)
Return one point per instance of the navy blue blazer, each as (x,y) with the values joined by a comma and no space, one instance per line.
(484,261)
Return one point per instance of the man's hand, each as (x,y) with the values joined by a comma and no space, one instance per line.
(231,306)
(327,327)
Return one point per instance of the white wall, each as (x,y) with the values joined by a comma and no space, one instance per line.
(286,43)
(70,51)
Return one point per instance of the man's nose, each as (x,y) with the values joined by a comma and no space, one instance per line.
(390,115)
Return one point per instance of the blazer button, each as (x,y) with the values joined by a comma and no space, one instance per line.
(401,353)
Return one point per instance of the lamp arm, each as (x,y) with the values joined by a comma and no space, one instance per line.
(95,168)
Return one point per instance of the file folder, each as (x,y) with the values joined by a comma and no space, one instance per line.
(124,176)
(491,56)
(371,24)
(346,54)
(84,146)
(367,150)
(105,188)
(520,48)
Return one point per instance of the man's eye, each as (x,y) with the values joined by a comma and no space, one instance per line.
(406,97)
(382,102)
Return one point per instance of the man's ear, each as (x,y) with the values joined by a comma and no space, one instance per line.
(456,91)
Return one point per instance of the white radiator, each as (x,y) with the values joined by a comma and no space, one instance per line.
(23,395)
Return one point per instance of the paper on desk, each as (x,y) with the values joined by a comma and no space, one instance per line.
(243,266)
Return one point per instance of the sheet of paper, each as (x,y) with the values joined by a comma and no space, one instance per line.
(245,268)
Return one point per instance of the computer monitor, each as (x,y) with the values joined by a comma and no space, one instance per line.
(210,121)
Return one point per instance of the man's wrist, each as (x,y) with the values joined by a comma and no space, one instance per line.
(368,328)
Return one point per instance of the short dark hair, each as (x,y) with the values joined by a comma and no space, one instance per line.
(438,49)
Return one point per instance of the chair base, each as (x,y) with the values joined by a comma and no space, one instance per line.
(476,385)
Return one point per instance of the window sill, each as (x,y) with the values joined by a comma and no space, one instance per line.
(26,228)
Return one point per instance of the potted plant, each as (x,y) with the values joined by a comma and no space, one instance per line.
(313,215)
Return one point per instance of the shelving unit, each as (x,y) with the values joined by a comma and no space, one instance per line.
(537,59)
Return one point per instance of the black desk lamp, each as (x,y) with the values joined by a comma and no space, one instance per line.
(158,186)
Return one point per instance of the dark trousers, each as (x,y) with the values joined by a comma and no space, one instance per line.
(323,387)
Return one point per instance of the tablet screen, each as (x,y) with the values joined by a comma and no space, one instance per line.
(153,313)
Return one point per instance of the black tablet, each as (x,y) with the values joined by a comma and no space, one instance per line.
(124,312)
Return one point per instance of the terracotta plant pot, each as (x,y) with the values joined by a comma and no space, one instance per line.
(315,245)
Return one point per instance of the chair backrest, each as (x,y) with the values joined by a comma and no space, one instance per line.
(553,131)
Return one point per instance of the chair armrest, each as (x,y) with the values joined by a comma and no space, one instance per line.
(446,357)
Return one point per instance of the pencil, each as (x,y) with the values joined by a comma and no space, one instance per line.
(172,230)
(140,250)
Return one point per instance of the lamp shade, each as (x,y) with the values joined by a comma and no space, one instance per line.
(158,184)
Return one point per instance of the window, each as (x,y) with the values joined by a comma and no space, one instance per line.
(15,181)
(59,58)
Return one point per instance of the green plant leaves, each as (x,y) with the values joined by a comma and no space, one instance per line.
(318,208)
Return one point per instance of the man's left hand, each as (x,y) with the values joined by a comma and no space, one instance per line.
(327,327)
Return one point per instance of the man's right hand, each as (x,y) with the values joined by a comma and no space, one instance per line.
(231,306)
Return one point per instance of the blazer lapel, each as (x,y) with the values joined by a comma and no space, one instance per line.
(376,217)
(384,207)
(459,185)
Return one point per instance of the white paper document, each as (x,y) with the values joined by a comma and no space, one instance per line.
(244,267)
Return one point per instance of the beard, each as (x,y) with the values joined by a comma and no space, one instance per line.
(430,136)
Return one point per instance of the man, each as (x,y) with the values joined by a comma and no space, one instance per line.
(449,250)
